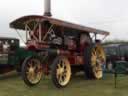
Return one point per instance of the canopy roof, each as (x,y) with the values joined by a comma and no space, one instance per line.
(20,24)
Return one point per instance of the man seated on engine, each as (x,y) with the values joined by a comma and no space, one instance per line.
(55,39)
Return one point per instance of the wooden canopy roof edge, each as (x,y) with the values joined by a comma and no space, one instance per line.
(20,24)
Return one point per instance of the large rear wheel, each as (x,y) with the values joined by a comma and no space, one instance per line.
(32,71)
(94,60)
(61,72)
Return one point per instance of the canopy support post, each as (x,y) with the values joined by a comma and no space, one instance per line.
(40,32)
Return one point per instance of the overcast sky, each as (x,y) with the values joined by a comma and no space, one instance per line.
(109,15)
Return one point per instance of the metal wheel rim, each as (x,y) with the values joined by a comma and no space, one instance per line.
(97,60)
(63,71)
(34,71)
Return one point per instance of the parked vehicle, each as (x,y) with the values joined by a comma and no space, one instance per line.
(61,49)
(11,55)
(8,47)
(115,52)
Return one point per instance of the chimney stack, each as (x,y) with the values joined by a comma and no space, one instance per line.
(47,8)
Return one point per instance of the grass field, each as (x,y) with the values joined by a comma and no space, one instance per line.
(12,85)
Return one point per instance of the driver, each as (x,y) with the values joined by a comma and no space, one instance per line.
(54,38)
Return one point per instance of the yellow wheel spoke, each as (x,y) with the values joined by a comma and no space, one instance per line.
(58,71)
(93,52)
(59,65)
(60,79)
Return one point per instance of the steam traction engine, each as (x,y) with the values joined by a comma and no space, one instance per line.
(61,49)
